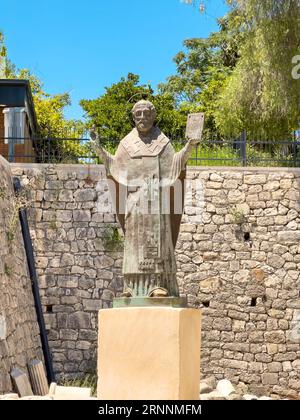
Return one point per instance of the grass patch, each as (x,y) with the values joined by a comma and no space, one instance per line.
(214,155)
(87,381)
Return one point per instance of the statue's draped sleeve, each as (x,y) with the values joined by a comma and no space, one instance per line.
(117,179)
(178,173)
(108,160)
(179,162)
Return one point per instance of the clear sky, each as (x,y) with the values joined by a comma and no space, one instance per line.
(81,46)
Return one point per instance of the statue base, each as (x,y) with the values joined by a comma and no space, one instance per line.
(149,353)
(173,302)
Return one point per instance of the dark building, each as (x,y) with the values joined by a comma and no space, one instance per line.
(18,125)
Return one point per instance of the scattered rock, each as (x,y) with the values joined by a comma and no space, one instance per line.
(226,391)
(233,397)
(249,397)
(214,395)
(242,388)
(204,397)
(28,397)
(37,397)
(225,388)
(9,397)
(205,388)
(211,382)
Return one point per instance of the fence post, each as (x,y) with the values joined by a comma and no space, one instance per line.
(295,153)
(49,151)
(243,148)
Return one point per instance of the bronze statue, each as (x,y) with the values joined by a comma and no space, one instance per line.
(146,167)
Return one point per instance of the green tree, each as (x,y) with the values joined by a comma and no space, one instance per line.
(241,76)
(50,109)
(111,112)
(4,68)
(261,95)
(50,116)
(55,133)
(2,47)
(203,68)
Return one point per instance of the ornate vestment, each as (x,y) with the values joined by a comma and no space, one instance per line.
(145,174)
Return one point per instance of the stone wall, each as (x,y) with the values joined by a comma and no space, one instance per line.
(77,275)
(19,332)
(239,262)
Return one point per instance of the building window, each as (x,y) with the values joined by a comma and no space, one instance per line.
(14,125)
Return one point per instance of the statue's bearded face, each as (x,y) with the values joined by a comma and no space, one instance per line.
(144,118)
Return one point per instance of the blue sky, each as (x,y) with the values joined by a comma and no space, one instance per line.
(82,46)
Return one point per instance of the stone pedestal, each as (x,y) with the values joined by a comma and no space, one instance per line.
(149,354)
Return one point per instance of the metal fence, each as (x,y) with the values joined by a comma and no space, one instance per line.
(47,150)
(241,151)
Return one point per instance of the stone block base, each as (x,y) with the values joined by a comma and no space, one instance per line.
(149,354)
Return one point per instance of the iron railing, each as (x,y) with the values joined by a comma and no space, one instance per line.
(241,151)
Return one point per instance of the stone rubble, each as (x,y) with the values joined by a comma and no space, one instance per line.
(226,391)
(56,392)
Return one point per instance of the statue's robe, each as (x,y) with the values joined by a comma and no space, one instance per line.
(146,176)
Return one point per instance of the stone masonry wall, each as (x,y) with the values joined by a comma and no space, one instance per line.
(239,262)
(19,332)
(77,275)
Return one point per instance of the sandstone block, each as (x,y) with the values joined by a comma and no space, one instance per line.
(149,353)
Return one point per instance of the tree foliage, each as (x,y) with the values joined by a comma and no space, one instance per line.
(241,75)
(2,46)
(3,58)
(261,95)
(49,109)
(49,113)
(111,112)
(56,134)
(203,68)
